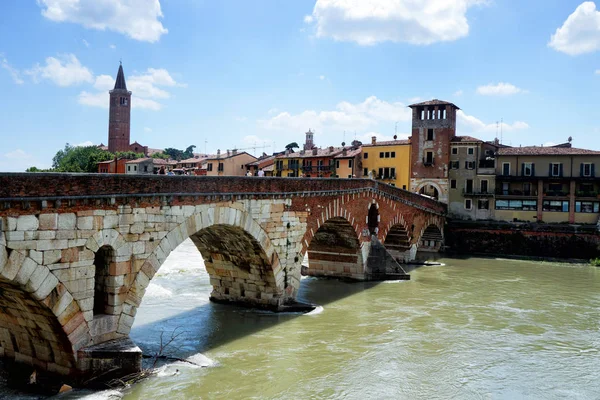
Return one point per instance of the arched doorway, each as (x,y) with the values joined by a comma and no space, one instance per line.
(430,190)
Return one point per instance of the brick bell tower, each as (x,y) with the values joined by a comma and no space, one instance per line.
(119,115)
(433,127)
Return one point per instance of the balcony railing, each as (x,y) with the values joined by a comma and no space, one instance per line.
(503,192)
(386,177)
(556,193)
(428,163)
(585,193)
(476,193)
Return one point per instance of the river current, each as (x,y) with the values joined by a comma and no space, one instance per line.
(472,328)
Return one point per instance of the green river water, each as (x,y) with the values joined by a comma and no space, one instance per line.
(471,329)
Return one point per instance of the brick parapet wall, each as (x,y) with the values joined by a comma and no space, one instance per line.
(81,188)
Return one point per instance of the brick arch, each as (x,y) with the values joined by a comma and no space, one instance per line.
(397,220)
(431,221)
(42,324)
(194,224)
(430,183)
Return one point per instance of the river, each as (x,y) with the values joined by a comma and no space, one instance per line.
(472,328)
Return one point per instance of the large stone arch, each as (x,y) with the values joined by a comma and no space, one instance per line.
(212,221)
(398,240)
(430,183)
(431,237)
(40,322)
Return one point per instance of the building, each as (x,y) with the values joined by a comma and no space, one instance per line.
(119,118)
(112,166)
(472,176)
(388,161)
(232,164)
(309,142)
(140,166)
(314,163)
(433,127)
(549,184)
(264,162)
(348,163)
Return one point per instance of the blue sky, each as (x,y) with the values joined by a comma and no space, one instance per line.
(259,73)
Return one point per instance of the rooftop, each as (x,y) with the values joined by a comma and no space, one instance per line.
(224,156)
(545,151)
(350,153)
(399,142)
(462,139)
(434,102)
(326,152)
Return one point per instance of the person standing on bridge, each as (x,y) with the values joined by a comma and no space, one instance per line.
(261,172)
(161,171)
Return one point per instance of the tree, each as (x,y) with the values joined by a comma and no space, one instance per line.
(189,152)
(175,154)
(160,155)
(292,146)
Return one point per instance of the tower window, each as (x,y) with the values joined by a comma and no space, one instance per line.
(123,101)
(429,134)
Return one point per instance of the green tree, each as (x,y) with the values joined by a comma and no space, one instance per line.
(175,154)
(160,155)
(189,152)
(292,146)
(79,159)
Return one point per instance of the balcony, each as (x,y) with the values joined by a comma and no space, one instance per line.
(386,177)
(486,167)
(307,168)
(587,194)
(556,193)
(477,193)
(428,163)
(517,193)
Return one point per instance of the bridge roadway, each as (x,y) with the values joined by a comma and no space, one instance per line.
(77,251)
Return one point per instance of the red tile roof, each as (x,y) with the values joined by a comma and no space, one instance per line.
(434,102)
(389,143)
(462,139)
(326,152)
(545,151)
(350,153)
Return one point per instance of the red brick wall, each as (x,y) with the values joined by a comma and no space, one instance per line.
(118,122)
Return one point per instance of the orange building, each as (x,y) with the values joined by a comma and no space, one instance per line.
(112,166)
(313,163)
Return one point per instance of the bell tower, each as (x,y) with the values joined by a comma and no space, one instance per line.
(309,143)
(119,115)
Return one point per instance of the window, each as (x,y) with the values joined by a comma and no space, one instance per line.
(483,204)
(404,187)
(145,168)
(135,167)
(365,172)
(524,205)
(483,185)
(452,183)
(129,168)
(454,165)
(468,204)
(209,167)
(527,169)
(505,169)
(393,173)
(471,151)
(470,164)
(587,169)
(552,205)
(387,154)
(350,163)
(455,150)
(429,134)
(469,186)
(429,158)
(587,206)
(393,154)
(556,169)
(337,163)
(366,155)
(349,176)
(123,101)
(380,176)
(527,189)
(381,154)
(220,168)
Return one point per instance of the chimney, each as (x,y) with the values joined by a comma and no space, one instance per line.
(228,153)
(344,151)
(218,153)
(315,151)
(234,152)
(331,149)
(373,139)
(301,152)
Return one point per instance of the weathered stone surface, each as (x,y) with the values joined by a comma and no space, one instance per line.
(67,221)
(27,223)
(48,221)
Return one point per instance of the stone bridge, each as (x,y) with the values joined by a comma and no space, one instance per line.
(77,251)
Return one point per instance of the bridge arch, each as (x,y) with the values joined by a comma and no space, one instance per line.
(431,189)
(250,265)
(40,323)
(431,238)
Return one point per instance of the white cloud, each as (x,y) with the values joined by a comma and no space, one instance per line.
(138,19)
(470,124)
(346,116)
(84,144)
(322,77)
(580,33)
(63,71)
(308,19)
(86,43)
(369,22)
(144,87)
(18,161)
(147,130)
(112,46)
(598,72)
(499,89)
(13,72)
(458,93)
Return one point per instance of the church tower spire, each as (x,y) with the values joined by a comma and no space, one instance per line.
(119,115)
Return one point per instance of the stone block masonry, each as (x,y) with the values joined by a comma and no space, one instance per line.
(77,252)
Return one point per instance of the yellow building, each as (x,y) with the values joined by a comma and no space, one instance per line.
(232,164)
(388,162)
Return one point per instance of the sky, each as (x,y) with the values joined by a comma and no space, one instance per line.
(257,74)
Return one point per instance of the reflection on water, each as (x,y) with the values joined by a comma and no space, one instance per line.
(470,329)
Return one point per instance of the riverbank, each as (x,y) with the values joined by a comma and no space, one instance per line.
(530,241)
